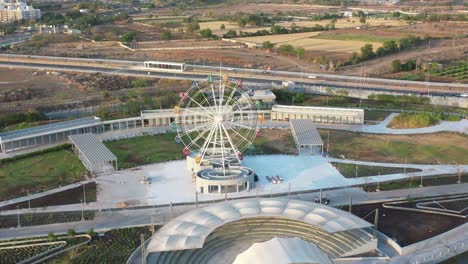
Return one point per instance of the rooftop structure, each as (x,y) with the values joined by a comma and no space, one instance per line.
(318,114)
(46,134)
(95,156)
(306,135)
(219,233)
(283,250)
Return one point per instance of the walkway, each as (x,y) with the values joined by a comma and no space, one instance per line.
(137,217)
(381,128)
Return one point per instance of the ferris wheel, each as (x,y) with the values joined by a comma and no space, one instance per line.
(216,122)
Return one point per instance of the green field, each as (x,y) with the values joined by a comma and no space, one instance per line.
(436,148)
(137,151)
(37,172)
(142,150)
(376,115)
(349,170)
(114,247)
(366,38)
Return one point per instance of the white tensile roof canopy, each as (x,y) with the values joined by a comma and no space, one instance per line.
(283,251)
(190,230)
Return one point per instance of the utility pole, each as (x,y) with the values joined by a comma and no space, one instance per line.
(421,184)
(459,176)
(328,142)
(143,259)
(350,204)
(82,213)
(404,170)
(378,183)
(376,221)
(356,170)
(17,214)
(289,190)
(84,194)
(320,197)
(172,211)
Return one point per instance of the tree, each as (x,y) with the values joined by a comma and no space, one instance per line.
(298,98)
(128,37)
(268,45)
(166,35)
(206,33)
(222,27)
(300,52)
(367,52)
(230,34)
(362,20)
(396,66)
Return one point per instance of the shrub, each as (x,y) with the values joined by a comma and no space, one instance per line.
(51,237)
(129,36)
(71,233)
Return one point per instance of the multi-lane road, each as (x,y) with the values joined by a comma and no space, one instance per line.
(254,77)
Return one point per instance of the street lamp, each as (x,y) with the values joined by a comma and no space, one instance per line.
(82,213)
(17,214)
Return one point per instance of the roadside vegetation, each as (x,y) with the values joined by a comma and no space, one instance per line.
(417,120)
(374,101)
(39,171)
(350,170)
(28,248)
(414,182)
(33,219)
(115,246)
(435,148)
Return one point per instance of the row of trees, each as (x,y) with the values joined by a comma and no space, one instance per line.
(277,30)
(397,66)
(388,47)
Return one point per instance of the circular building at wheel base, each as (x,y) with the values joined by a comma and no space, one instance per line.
(226,231)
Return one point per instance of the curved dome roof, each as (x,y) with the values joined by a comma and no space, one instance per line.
(190,230)
(283,251)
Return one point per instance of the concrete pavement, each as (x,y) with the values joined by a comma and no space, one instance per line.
(138,217)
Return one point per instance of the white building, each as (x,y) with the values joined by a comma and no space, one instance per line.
(11,12)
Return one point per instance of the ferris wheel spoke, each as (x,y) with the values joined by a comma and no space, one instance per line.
(194,141)
(222,149)
(230,97)
(197,112)
(234,148)
(240,135)
(204,108)
(196,128)
(213,94)
(240,125)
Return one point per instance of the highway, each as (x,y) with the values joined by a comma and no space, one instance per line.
(255,77)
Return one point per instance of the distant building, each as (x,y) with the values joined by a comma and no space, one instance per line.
(12,11)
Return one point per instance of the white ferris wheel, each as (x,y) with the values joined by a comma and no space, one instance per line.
(216,122)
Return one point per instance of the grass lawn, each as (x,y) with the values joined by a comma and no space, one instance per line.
(376,115)
(142,150)
(114,247)
(436,148)
(34,219)
(39,172)
(416,181)
(133,152)
(349,170)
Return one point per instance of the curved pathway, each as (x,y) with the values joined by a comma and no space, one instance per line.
(381,128)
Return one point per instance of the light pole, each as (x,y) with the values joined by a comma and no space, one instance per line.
(17,214)
(82,213)
(378,183)
(84,194)
(421,184)
(459,175)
